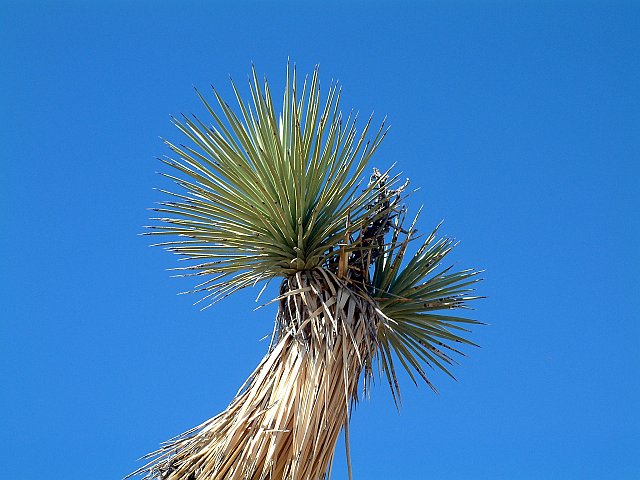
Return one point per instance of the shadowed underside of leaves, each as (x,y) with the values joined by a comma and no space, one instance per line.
(266,195)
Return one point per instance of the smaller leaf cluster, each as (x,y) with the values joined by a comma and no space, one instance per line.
(410,297)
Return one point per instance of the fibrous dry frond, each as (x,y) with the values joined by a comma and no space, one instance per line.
(286,420)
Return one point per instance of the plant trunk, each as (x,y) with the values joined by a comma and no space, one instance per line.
(284,422)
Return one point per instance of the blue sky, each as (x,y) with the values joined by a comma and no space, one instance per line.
(520,122)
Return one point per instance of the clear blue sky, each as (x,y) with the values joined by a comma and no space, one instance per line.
(519,120)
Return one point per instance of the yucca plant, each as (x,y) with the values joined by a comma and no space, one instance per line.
(285,196)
